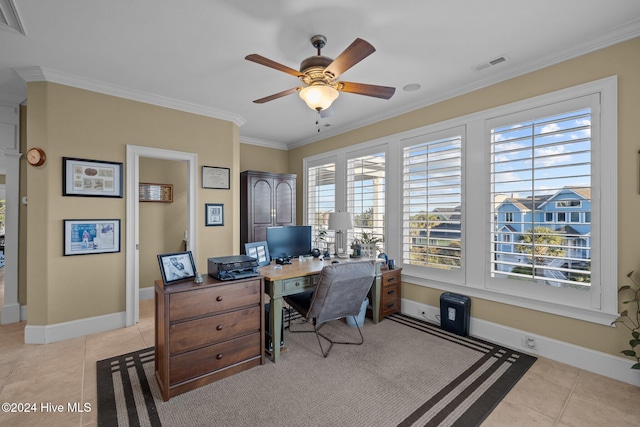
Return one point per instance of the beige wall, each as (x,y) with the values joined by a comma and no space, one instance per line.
(622,60)
(70,122)
(255,158)
(162,225)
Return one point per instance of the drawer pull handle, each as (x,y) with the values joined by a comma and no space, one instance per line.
(219,327)
(219,298)
(297,283)
(390,292)
(391,279)
(219,356)
(390,305)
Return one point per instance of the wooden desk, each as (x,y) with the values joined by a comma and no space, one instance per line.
(301,277)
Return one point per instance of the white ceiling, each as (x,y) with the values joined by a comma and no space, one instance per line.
(189,54)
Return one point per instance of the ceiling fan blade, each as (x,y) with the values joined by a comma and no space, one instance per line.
(356,52)
(276,95)
(259,59)
(384,92)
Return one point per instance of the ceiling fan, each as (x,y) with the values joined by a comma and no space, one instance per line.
(320,73)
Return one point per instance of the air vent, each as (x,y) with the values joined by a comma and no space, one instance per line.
(490,63)
(9,19)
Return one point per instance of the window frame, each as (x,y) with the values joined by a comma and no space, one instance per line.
(601,304)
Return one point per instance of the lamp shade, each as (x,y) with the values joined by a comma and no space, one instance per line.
(319,97)
(339,221)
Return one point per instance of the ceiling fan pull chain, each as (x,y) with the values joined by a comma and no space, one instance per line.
(318,120)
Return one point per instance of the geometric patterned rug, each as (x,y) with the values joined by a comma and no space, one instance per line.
(432,378)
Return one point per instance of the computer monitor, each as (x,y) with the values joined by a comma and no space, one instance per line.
(289,241)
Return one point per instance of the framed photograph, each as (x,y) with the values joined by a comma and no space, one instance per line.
(214,214)
(177,267)
(91,236)
(214,177)
(148,192)
(259,251)
(91,178)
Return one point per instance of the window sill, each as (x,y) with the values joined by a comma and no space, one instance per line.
(578,313)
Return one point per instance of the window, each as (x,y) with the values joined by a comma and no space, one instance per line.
(366,197)
(432,202)
(568,204)
(543,159)
(511,186)
(321,190)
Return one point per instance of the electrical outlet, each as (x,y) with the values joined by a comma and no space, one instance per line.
(529,342)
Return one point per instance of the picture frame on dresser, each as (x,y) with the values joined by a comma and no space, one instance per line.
(177,267)
(259,251)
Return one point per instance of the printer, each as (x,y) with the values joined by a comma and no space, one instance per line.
(232,267)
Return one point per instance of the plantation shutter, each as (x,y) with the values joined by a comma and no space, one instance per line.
(321,189)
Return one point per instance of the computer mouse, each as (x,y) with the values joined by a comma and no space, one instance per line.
(335,261)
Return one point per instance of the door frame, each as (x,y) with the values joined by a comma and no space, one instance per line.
(134,152)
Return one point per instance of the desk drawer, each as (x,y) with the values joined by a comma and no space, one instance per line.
(198,333)
(206,360)
(297,283)
(185,305)
(390,300)
(391,277)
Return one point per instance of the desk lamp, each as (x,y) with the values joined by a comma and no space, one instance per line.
(340,222)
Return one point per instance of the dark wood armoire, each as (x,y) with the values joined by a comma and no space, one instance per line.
(266,200)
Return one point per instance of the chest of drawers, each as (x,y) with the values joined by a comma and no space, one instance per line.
(206,332)
(390,292)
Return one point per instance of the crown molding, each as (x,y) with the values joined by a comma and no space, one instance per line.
(615,36)
(263,143)
(39,74)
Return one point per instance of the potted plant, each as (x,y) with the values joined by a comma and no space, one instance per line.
(630,318)
(322,237)
(369,244)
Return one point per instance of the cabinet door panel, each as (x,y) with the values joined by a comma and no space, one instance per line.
(262,199)
(285,192)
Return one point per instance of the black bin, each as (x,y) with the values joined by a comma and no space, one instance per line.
(454,313)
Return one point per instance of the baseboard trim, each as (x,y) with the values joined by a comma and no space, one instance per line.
(146,293)
(597,362)
(10,313)
(35,334)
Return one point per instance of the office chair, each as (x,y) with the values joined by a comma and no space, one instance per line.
(340,292)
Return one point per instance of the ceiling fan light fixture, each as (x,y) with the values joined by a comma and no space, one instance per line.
(319,97)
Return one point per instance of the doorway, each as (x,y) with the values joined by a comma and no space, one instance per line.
(134,153)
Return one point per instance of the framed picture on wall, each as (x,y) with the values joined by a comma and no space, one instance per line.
(216,177)
(91,236)
(177,267)
(91,178)
(214,214)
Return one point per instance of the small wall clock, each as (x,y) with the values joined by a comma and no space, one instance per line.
(36,156)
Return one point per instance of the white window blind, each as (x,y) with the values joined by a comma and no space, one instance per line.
(541,171)
(432,203)
(366,198)
(321,189)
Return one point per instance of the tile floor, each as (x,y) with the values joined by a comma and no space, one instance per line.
(550,394)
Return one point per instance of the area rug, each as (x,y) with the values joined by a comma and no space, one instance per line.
(408,372)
